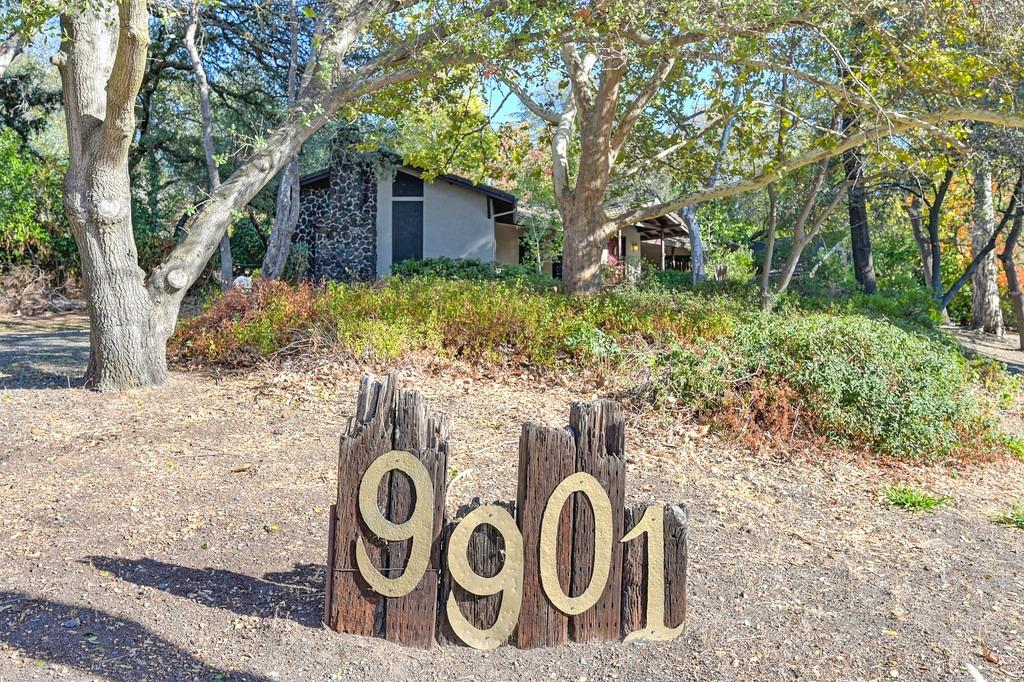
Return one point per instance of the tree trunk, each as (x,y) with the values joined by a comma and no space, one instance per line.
(769,251)
(287,208)
(1010,268)
(923,248)
(860,235)
(286,218)
(697,264)
(101,62)
(986,313)
(227,269)
(10,48)
(586,231)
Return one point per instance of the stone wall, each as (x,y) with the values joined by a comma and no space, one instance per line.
(338,220)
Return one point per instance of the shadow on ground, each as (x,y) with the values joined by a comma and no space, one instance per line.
(115,648)
(296,594)
(47,358)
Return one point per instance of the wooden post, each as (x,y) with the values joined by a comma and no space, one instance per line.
(635,568)
(386,419)
(676,564)
(410,620)
(634,574)
(546,456)
(600,433)
(486,554)
(355,608)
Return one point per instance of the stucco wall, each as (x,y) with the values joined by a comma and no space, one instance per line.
(506,239)
(455,224)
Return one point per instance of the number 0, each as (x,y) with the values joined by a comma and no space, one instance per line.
(602,506)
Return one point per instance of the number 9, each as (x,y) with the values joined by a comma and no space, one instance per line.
(508,581)
(419,527)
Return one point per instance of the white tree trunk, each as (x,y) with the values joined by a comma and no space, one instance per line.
(9,49)
(227,268)
(287,208)
(986,312)
(101,68)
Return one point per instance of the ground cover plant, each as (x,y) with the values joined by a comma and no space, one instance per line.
(850,378)
(912,499)
(1014,517)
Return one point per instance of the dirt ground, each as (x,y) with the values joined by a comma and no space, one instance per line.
(180,534)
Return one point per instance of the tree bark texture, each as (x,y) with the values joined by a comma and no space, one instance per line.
(913,210)
(1007,257)
(769,251)
(101,61)
(860,234)
(986,313)
(227,268)
(287,207)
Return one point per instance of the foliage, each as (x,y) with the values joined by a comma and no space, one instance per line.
(29,94)
(1013,517)
(854,379)
(847,378)
(911,499)
(472,269)
(33,229)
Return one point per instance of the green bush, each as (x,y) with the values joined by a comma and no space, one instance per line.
(854,379)
(857,380)
(33,228)
(472,269)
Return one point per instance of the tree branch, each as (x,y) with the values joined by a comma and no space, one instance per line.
(813,156)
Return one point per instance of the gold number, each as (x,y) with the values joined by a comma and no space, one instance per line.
(418,528)
(602,506)
(508,581)
(653,523)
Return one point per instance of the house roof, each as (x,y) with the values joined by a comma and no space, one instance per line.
(504,202)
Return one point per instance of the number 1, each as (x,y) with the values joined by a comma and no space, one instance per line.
(653,523)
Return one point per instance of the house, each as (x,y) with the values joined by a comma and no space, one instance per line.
(357,221)
(662,243)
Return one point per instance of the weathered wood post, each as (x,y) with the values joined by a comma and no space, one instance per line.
(546,456)
(599,429)
(386,419)
(550,567)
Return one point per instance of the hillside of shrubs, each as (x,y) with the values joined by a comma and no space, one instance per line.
(846,373)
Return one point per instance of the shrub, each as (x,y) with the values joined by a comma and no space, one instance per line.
(852,379)
(857,380)
(472,269)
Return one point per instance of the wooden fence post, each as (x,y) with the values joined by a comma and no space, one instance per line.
(386,419)
(634,574)
(600,433)
(634,570)
(486,554)
(355,608)
(410,620)
(546,456)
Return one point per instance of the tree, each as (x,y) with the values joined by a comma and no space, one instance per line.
(102,63)
(286,210)
(633,92)
(1010,265)
(986,313)
(206,116)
